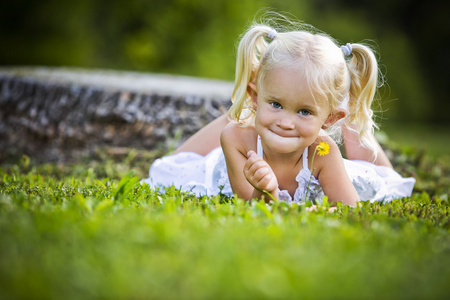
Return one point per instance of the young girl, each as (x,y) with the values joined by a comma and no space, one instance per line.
(290,87)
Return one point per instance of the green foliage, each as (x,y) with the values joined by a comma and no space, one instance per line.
(124,187)
(71,232)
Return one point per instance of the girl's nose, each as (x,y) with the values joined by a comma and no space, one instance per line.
(286,123)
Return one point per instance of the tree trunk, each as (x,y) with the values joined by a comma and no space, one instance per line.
(60,114)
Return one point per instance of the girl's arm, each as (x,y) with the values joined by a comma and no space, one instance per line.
(249,174)
(206,139)
(332,175)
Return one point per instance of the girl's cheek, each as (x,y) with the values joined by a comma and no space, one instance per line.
(310,129)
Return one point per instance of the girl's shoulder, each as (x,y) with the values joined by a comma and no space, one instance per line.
(242,138)
(330,145)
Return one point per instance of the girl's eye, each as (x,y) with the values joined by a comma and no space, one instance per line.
(275,104)
(304,112)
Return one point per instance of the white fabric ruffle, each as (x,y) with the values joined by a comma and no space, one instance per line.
(207,175)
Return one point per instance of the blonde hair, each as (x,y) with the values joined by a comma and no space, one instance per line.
(329,73)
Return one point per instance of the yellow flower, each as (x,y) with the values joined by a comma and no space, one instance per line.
(323,148)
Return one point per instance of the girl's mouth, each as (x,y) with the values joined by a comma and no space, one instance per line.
(283,134)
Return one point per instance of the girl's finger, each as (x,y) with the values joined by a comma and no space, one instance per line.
(254,157)
(260,173)
(254,162)
(258,170)
(269,182)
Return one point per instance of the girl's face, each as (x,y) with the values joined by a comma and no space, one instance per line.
(288,118)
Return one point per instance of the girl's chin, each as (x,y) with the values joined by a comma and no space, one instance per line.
(283,145)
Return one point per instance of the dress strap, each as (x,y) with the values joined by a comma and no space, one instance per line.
(305,159)
(259,149)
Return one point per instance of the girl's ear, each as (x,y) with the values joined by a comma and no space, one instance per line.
(334,117)
(251,90)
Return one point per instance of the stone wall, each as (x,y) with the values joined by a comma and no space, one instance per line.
(54,114)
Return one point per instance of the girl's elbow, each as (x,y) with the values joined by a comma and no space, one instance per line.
(351,201)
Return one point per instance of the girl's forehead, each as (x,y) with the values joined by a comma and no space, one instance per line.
(290,84)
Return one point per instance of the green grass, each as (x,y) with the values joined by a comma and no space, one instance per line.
(90,231)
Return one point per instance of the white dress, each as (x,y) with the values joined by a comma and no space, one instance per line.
(207,175)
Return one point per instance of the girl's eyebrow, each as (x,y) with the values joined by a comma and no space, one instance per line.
(272,97)
(310,107)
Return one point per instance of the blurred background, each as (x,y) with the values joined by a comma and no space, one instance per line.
(198,38)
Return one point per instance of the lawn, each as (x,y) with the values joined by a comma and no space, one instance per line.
(89,230)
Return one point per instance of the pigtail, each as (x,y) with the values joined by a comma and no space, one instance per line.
(251,47)
(363,70)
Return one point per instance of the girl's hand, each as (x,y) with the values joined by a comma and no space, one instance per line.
(259,174)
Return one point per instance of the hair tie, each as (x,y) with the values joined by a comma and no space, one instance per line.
(272,33)
(347,49)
